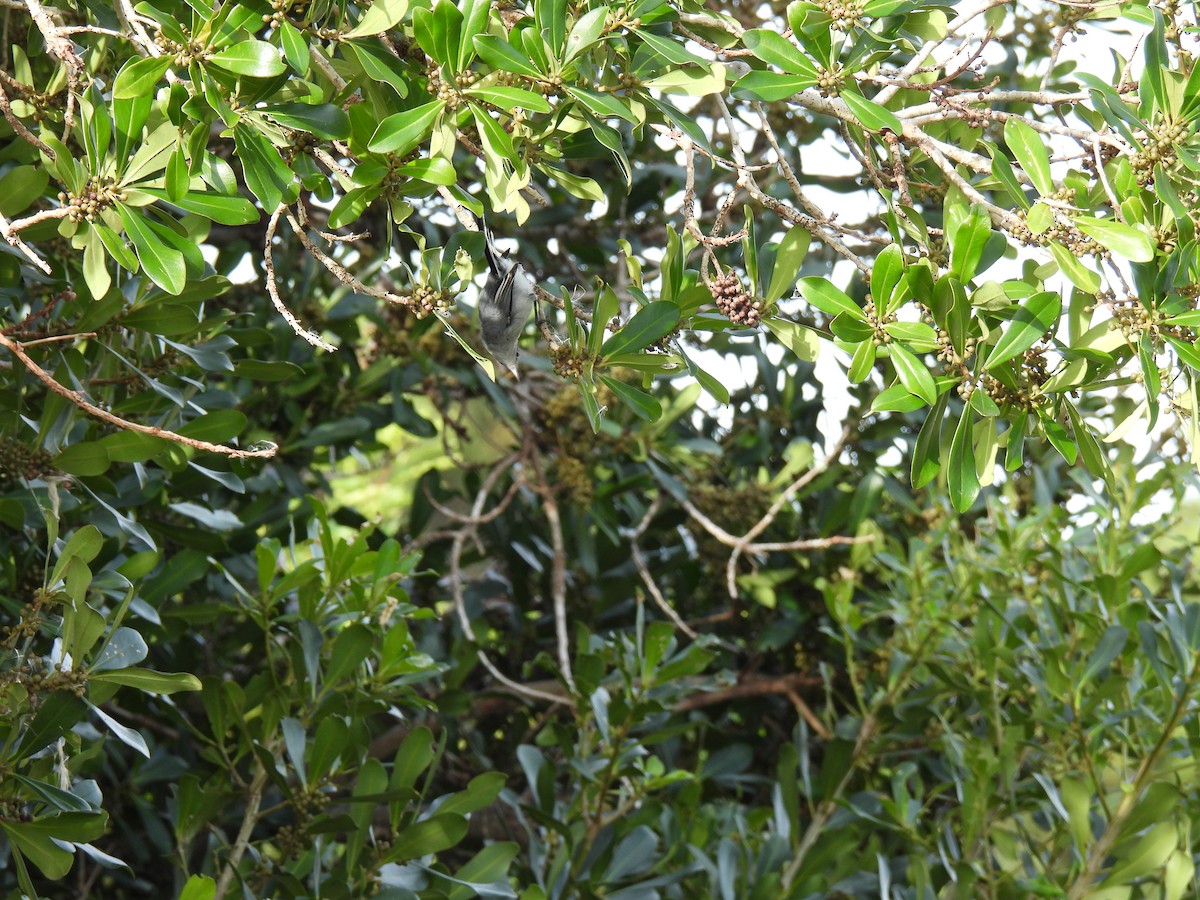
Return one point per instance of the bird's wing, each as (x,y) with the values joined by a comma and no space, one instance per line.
(504,293)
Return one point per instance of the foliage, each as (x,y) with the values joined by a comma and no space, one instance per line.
(631,628)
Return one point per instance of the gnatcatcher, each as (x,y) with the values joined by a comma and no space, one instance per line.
(504,305)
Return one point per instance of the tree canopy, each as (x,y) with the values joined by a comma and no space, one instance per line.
(304,597)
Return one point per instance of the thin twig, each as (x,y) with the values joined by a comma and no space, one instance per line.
(456,588)
(249,820)
(76,397)
(273,288)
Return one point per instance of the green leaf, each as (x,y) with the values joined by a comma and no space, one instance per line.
(215,427)
(1002,171)
(1039,218)
(139,77)
(86,459)
(402,132)
(801,340)
(886,273)
(1157,65)
(585,32)
(20,186)
(673,52)
(575,185)
(295,46)
(40,848)
(252,58)
(199,887)
(267,176)
(1124,240)
(349,650)
(827,298)
(551,18)
(95,266)
(380,65)
(149,681)
(771,47)
(116,247)
(1150,376)
(217,207)
(431,171)
(1073,267)
(914,374)
(603,105)
(488,866)
(651,323)
(606,308)
(58,714)
(509,98)
(380,16)
(770,87)
(445,30)
(1037,315)
(1089,447)
(162,264)
(1145,855)
(788,258)
(871,115)
(646,406)
(322,119)
(176,177)
(503,56)
(1027,147)
(1107,649)
(863,363)
(895,398)
(480,792)
(962,478)
(695,81)
(968,243)
(432,835)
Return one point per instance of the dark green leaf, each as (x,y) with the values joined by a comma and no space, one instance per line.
(651,323)
(217,207)
(432,835)
(322,119)
(1036,316)
(139,77)
(501,55)
(871,115)
(267,176)
(636,399)
(149,681)
(402,132)
(962,478)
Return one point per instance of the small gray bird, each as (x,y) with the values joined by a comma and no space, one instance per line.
(504,305)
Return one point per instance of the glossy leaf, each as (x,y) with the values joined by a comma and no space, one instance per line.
(256,59)
(1036,316)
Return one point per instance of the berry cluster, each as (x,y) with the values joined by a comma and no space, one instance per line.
(449,93)
(1159,149)
(566,363)
(844,14)
(18,460)
(876,321)
(99,193)
(425,300)
(734,303)
(282,9)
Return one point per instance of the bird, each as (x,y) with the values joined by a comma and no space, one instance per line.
(508,296)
